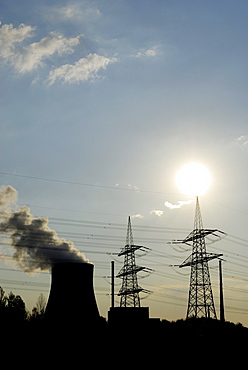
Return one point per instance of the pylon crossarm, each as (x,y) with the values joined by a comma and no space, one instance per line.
(129,249)
(138,290)
(190,261)
(187,262)
(129,291)
(128,270)
(199,234)
(196,235)
(146,291)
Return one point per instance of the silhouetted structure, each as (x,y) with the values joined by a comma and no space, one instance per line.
(112,283)
(222,311)
(72,298)
(201,301)
(130,312)
(127,316)
(130,289)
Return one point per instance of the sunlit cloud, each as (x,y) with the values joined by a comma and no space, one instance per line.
(179,205)
(157,212)
(76,11)
(242,141)
(84,69)
(138,215)
(26,58)
(151,52)
(133,187)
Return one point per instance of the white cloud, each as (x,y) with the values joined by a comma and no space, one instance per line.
(26,58)
(152,52)
(83,70)
(242,141)
(177,206)
(138,215)
(241,138)
(35,80)
(76,11)
(73,10)
(68,12)
(157,213)
(10,36)
(133,187)
(32,56)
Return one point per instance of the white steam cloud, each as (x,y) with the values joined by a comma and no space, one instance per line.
(8,197)
(179,205)
(36,246)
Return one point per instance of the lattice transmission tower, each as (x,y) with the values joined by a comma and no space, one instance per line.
(130,289)
(200,301)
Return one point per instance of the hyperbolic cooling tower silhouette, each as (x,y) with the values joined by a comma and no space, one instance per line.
(72,297)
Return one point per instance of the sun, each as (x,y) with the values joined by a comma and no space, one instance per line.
(193,179)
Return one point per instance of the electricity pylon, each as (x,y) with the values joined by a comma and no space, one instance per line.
(200,301)
(130,289)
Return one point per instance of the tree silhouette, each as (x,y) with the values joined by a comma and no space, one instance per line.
(16,309)
(39,310)
(3,302)
(12,309)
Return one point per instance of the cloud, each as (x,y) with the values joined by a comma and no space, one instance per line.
(138,215)
(10,36)
(71,12)
(32,56)
(133,187)
(83,70)
(242,141)
(177,206)
(26,58)
(74,11)
(152,52)
(157,213)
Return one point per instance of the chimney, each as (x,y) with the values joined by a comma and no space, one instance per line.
(222,310)
(72,298)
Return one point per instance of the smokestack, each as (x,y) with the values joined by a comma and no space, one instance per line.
(222,310)
(112,283)
(72,299)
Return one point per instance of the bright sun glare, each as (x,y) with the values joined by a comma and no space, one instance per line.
(193,179)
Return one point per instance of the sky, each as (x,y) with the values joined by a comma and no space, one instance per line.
(102,102)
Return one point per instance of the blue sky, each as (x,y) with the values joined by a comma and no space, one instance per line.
(123,94)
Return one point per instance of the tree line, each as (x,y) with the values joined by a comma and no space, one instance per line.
(13,308)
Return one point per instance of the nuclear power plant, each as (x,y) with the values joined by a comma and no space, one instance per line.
(72,299)
(72,302)
(72,306)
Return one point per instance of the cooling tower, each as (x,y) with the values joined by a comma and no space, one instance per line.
(72,298)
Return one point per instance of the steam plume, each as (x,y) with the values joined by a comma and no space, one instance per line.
(36,245)
(8,196)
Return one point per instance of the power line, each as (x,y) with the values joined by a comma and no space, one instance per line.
(86,184)
(154,253)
